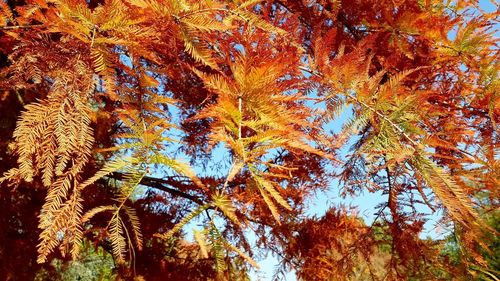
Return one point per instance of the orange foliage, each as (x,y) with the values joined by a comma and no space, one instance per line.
(136,118)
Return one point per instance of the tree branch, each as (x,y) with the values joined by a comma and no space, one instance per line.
(163,185)
(365,105)
(20,26)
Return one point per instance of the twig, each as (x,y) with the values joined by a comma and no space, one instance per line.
(20,26)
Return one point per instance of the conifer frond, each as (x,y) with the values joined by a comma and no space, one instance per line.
(335,106)
(204,23)
(220,240)
(54,139)
(270,204)
(10,175)
(109,168)
(102,63)
(5,14)
(55,198)
(118,233)
(471,39)
(200,238)
(253,101)
(248,3)
(217,248)
(94,211)
(268,186)
(197,49)
(136,225)
(355,124)
(185,220)
(223,203)
(65,225)
(131,180)
(117,237)
(180,6)
(242,254)
(48,160)
(60,126)
(76,229)
(154,5)
(451,195)
(235,169)
(395,80)
(255,21)
(217,83)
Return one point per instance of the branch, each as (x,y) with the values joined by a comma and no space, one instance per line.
(20,26)
(163,185)
(343,20)
(175,181)
(392,200)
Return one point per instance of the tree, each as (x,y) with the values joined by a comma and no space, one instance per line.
(133,123)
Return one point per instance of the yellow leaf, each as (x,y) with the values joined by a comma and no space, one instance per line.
(200,239)
(224,204)
(268,186)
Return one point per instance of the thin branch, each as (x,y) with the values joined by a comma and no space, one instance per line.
(163,185)
(392,199)
(342,19)
(122,203)
(20,26)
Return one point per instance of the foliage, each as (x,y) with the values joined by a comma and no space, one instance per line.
(126,123)
(452,250)
(92,265)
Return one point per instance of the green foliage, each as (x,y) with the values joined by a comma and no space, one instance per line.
(93,265)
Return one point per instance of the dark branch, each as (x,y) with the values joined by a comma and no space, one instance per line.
(165,184)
